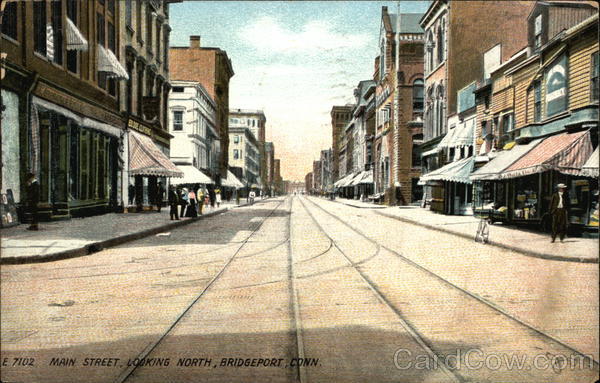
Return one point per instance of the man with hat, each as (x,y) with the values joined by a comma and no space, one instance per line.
(32,199)
(559,209)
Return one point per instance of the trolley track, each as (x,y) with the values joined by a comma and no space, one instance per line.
(541,334)
(128,372)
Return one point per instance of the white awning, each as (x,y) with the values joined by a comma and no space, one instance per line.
(459,136)
(457,171)
(590,168)
(108,63)
(75,39)
(191,175)
(231,181)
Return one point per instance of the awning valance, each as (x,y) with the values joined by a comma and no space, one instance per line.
(231,181)
(565,153)
(108,63)
(459,136)
(192,175)
(590,168)
(146,159)
(457,171)
(75,39)
(502,160)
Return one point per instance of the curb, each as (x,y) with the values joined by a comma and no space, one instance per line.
(95,247)
(519,250)
(359,207)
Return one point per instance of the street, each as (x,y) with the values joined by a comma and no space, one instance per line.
(300,289)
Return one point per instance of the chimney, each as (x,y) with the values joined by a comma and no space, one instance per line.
(195,41)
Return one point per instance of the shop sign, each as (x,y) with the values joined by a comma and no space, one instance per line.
(132,124)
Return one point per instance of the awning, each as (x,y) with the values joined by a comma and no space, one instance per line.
(590,168)
(355,180)
(108,63)
(347,180)
(430,152)
(342,181)
(461,135)
(146,159)
(503,159)
(75,40)
(457,171)
(192,175)
(364,177)
(231,181)
(565,153)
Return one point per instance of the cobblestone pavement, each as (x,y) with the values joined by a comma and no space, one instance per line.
(357,296)
(526,241)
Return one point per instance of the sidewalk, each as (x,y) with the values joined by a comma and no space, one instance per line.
(83,236)
(520,240)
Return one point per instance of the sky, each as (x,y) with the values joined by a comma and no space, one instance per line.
(292,59)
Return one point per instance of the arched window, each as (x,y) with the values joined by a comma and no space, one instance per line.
(382,59)
(441,42)
(418,95)
(430,46)
(439,115)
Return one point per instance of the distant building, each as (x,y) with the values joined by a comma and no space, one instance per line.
(269,165)
(195,139)
(255,120)
(243,154)
(340,116)
(212,68)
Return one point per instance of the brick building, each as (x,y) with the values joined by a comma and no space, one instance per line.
(212,68)
(340,117)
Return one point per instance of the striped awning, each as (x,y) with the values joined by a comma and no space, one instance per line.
(565,153)
(457,171)
(493,169)
(590,168)
(75,39)
(108,63)
(146,159)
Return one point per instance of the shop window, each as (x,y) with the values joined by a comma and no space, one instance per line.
(537,101)
(9,20)
(418,95)
(178,120)
(527,197)
(74,163)
(594,77)
(39,27)
(556,79)
(83,164)
(57,32)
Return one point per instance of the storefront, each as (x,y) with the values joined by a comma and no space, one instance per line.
(77,162)
(590,173)
(451,187)
(148,166)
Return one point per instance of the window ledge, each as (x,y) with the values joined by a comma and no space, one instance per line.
(10,39)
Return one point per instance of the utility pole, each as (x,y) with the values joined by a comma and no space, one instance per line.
(396,126)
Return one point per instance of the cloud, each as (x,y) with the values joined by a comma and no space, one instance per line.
(269,34)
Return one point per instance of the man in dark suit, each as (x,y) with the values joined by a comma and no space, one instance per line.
(173,203)
(559,209)
(160,196)
(33,198)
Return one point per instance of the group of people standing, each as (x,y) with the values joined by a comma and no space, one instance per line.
(184,202)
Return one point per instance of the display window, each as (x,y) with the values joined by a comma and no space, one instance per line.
(526,197)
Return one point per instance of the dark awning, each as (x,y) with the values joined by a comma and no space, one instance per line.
(146,159)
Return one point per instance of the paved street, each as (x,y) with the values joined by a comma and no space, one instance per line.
(347,294)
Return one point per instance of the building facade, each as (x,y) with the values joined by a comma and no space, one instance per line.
(62,90)
(212,68)
(538,118)
(453,66)
(195,142)
(269,163)
(256,121)
(340,117)
(244,156)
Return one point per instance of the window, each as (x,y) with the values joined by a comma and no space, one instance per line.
(382,68)
(236,139)
(177,120)
(111,37)
(236,154)
(507,123)
(138,19)
(556,78)
(72,55)
(430,46)
(178,89)
(111,6)
(537,101)
(158,38)
(39,27)
(9,20)
(128,16)
(440,43)
(466,97)
(538,31)
(148,28)
(418,95)
(594,79)
(57,33)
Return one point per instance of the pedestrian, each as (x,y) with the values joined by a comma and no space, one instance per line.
(218,197)
(212,197)
(173,203)
(252,196)
(160,196)
(191,209)
(183,200)
(200,195)
(559,209)
(131,192)
(33,198)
